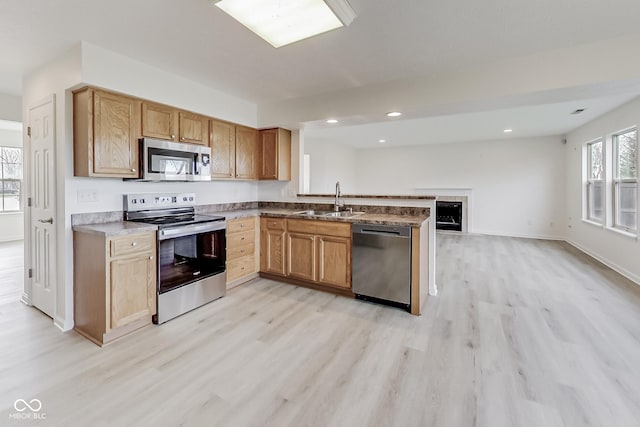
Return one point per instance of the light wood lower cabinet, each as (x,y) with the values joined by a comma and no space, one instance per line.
(317,252)
(334,261)
(242,263)
(272,245)
(301,256)
(114,284)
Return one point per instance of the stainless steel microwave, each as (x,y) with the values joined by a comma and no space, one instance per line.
(174,161)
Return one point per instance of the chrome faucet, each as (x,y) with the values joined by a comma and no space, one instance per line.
(338,203)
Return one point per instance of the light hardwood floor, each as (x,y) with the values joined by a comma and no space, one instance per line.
(11,271)
(523,333)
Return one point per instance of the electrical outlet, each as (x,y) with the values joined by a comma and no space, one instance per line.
(87,196)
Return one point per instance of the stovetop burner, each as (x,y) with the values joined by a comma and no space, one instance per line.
(170,221)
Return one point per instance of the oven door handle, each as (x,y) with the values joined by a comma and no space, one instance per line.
(188,230)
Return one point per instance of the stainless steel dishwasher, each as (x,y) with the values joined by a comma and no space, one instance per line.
(382,264)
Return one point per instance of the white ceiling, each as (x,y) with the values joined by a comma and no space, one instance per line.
(529,121)
(388,41)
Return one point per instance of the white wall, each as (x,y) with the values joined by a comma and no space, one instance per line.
(616,250)
(11,223)
(330,162)
(517,185)
(87,64)
(10,107)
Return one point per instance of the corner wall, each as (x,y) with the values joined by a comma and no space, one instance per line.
(620,252)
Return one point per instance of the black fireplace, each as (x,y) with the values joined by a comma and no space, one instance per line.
(449,216)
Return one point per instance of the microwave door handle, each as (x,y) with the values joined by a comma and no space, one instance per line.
(195,164)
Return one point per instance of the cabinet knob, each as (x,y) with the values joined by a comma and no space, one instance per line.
(241,251)
(242,238)
(133,169)
(134,244)
(173,137)
(151,257)
(182,138)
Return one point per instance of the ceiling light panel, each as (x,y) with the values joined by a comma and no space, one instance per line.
(281,22)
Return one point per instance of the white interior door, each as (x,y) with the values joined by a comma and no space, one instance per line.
(42,211)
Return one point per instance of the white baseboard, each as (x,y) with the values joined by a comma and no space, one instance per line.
(522,236)
(612,265)
(61,324)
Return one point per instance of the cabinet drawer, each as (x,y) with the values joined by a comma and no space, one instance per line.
(240,251)
(131,244)
(240,267)
(238,225)
(238,239)
(273,223)
(325,228)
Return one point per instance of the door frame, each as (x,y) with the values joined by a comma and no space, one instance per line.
(26,182)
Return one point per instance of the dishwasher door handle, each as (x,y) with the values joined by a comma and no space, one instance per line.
(382,233)
(383,230)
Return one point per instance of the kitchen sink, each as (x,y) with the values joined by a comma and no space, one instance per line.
(312,212)
(340,214)
(343,214)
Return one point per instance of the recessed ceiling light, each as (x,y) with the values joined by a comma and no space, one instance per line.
(281,22)
(382,141)
(508,130)
(332,121)
(394,114)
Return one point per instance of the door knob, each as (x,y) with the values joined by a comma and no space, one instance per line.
(46,221)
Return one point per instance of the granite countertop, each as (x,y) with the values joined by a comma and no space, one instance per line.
(366,218)
(120,228)
(371,196)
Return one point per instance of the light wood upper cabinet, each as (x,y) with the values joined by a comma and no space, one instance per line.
(223,150)
(164,122)
(246,152)
(275,154)
(159,121)
(193,128)
(105,134)
(114,284)
(272,245)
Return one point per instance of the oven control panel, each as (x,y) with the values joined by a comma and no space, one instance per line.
(143,202)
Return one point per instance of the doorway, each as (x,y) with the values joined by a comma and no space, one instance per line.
(11,212)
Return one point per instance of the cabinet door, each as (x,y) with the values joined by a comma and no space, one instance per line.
(268,154)
(133,294)
(301,256)
(223,150)
(272,245)
(246,152)
(334,261)
(194,128)
(159,121)
(115,143)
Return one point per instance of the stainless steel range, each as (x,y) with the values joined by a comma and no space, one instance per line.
(191,251)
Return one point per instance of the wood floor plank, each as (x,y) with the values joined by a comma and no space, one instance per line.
(523,333)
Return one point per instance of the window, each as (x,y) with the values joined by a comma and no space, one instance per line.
(595,181)
(10,178)
(625,180)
